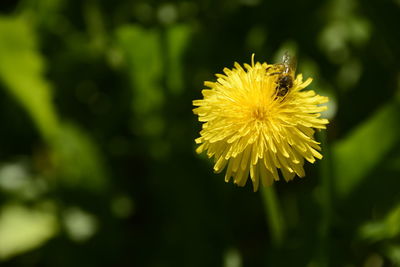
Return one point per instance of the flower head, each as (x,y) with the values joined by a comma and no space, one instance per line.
(253,128)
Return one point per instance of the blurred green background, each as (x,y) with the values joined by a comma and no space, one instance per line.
(97,161)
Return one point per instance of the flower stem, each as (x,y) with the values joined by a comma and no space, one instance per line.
(274,216)
(325,172)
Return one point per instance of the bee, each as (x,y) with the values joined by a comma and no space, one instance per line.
(285,71)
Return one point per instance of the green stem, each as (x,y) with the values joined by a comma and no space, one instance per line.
(325,202)
(274,216)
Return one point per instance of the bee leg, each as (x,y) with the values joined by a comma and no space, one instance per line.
(275,73)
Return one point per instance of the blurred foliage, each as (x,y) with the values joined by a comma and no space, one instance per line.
(97,162)
(380,131)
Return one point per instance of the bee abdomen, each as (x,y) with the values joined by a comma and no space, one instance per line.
(283,85)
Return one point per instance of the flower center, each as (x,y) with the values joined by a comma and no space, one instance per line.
(260,113)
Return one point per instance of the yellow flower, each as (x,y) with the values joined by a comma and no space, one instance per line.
(250,128)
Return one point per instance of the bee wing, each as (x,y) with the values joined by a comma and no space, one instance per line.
(290,63)
(293,63)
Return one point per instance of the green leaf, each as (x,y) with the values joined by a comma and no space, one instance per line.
(22,73)
(392,251)
(23,229)
(365,147)
(78,160)
(178,37)
(142,51)
(389,227)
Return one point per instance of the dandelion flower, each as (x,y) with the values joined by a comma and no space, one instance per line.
(253,129)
